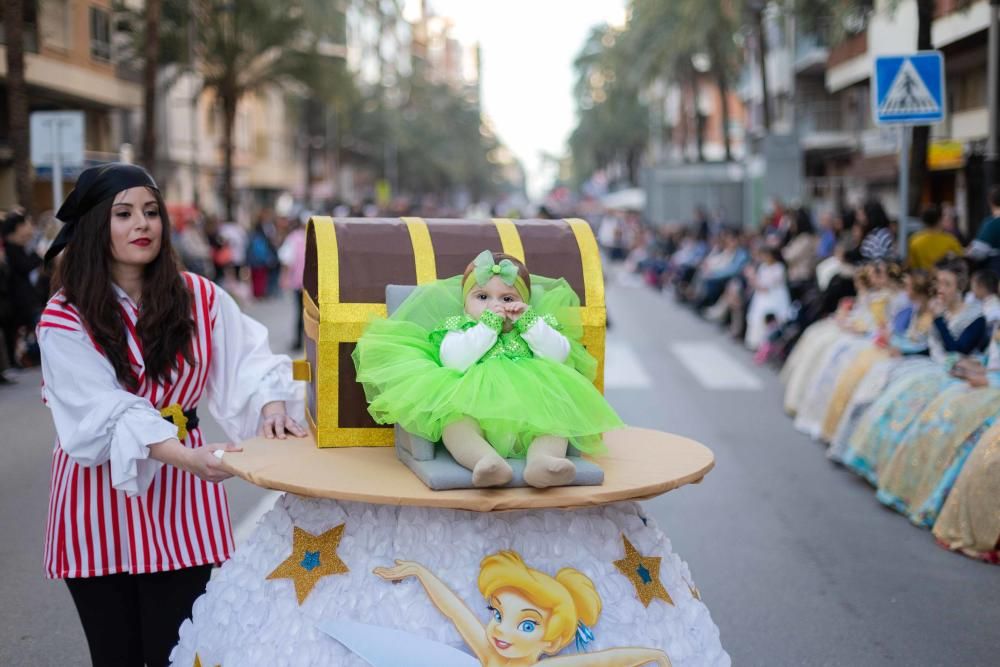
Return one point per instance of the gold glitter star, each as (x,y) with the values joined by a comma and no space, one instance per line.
(313,557)
(197,661)
(644,573)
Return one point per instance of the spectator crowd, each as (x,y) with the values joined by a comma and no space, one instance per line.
(891,360)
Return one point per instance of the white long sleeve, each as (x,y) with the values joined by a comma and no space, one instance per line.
(461,349)
(546,342)
(244,375)
(96,419)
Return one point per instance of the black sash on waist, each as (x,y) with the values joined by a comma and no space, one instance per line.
(191,417)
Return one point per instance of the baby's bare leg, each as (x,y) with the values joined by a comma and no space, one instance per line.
(464,440)
(547,464)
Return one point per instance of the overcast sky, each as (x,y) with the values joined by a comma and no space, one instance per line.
(528,48)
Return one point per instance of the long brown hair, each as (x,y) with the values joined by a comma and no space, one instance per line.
(165,326)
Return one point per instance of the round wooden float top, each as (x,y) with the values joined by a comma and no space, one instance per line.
(640,463)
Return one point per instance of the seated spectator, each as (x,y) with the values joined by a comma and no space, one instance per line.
(830,226)
(800,253)
(931,244)
(987,243)
(876,233)
(984,292)
(770,298)
(725,262)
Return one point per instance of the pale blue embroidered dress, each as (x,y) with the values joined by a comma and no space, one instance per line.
(925,465)
(913,344)
(884,424)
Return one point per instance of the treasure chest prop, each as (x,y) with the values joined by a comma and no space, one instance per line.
(349,264)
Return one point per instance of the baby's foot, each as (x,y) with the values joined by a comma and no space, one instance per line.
(491,471)
(543,471)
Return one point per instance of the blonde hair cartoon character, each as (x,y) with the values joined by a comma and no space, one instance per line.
(532,614)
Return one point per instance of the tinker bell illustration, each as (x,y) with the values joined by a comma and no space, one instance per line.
(531,615)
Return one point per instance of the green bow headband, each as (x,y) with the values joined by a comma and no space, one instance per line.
(484,269)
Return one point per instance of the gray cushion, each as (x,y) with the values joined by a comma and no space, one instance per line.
(432,463)
(395,295)
(443,473)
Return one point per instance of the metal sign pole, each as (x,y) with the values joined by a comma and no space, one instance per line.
(57,175)
(904,188)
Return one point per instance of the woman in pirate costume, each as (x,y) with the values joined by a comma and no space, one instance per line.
(130,347)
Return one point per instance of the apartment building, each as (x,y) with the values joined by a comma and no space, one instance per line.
(848,157)
(70,65)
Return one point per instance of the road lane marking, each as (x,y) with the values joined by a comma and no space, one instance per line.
(244,527)
(622,368)
(714,367)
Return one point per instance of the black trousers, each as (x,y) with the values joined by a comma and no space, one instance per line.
(133,620)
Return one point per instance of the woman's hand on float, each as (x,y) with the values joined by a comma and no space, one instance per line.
(205,464)
(402,570)
(277,423)
(202,462)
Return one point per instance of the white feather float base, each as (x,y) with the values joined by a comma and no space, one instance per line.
(246,620)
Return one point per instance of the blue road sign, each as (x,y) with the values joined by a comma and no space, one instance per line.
(909,90)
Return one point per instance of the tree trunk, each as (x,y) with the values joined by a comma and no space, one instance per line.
(152,58)
(17,102)
(699,123)
(229,100)
(723,84)
(921,133)
(309,115)
(765,92)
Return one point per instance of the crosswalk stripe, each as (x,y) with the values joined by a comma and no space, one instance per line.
(714,367)
(622,368)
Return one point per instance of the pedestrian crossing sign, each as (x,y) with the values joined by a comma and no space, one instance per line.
(909,90)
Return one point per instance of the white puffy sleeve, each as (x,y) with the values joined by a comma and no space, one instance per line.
(543,339)
(461,349)
(96,419)
(244,374)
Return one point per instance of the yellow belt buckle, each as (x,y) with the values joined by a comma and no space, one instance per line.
(176,415)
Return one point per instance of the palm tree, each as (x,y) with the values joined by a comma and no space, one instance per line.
(17,100)
(244,47)
(756,9)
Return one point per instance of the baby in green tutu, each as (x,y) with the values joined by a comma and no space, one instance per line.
(490,363)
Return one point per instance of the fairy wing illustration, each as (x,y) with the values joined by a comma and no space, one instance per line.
(388,647)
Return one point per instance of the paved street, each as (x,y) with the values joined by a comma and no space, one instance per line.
(795,558)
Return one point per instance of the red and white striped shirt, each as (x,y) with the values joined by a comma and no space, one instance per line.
(111,508)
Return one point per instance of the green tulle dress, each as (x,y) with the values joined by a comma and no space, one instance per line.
(512,394)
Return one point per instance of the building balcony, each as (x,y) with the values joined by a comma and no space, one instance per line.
(955,20)
(811,54)
(70,80)
(848,49)
(822,126)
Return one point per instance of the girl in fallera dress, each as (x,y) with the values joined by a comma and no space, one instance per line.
(489,362)
(930,457)
(854,316)
(969,521)
(861,384)
(857,336)
(958,329)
